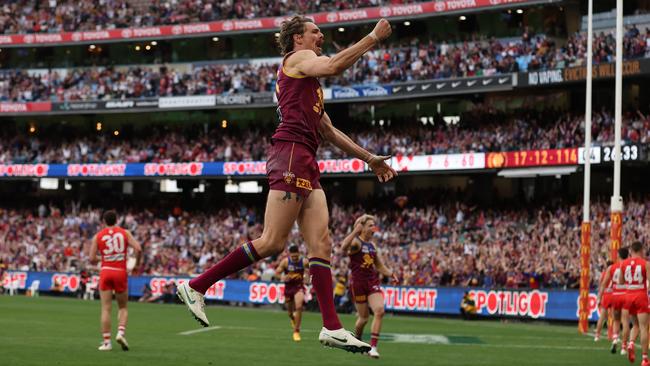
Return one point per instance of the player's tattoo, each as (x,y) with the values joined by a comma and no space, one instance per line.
(287,196)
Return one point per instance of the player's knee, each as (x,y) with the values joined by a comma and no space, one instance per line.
(323,248)
(379,312)
(271,244)
(299,308)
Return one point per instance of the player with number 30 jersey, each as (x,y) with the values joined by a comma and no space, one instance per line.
(111,243)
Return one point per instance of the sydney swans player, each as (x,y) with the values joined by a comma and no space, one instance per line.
(365,264)
(634,275)
(614,298)
(295,193)
(291,271)
(112,243)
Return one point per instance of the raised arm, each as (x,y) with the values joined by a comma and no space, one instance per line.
(307,63)
(377,163)
(350,242)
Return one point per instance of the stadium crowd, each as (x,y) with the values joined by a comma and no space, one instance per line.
(481,130)
(406,61)
(443,243)
(54,16)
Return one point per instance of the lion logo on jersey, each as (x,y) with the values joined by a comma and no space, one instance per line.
(368,261)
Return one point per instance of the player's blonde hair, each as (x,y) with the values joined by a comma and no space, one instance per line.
(365,218)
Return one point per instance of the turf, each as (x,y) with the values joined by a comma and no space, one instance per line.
(62,331)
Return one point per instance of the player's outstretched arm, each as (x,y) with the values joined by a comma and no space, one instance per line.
(308,63)
(376,163)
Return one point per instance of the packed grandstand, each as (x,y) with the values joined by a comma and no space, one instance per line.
(440,225)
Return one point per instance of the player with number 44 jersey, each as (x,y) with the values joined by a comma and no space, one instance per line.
(635,278)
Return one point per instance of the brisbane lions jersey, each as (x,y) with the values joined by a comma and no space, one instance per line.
(300,108)
(295,271)
(362,262)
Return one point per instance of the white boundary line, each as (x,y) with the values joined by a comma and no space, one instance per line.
(201,330)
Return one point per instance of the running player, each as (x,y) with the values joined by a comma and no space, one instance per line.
(292,169)
(604,300)
(635,277)
(616,298)
(292,272)
(365,263)
(112,243)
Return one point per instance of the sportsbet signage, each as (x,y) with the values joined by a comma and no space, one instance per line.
(530,304)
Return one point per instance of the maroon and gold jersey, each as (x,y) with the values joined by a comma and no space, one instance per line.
(295,271)
(362,262)
(300,108)
(112,244)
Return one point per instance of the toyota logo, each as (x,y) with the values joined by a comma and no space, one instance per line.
(227,25)
(332,17)
(127,33)
(495,2)
(440,6)
(385,12)
(177,29)
(76,36)
(29,38)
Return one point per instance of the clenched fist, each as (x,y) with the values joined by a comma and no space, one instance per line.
(382,30)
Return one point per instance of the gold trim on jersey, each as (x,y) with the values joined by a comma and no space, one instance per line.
(284,70)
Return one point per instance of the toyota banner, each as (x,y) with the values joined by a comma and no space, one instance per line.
(324,19)
(530,304)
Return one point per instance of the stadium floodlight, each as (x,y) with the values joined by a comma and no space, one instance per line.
(250,187)
(535,172)
(169,186)
(215,39)
(154,43)
(407,23)
(520,11)
(48,183)
(341,29)
(462,17)
(585,237)
(231,187)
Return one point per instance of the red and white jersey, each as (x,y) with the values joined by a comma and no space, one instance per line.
(615,275)
(634,274)
(112,243)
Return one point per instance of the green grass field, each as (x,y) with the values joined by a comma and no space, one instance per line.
(60,331)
